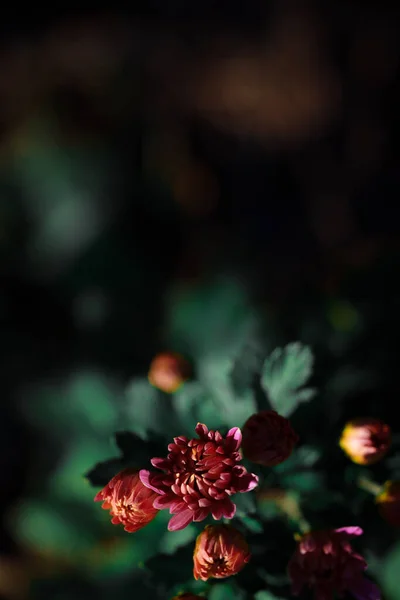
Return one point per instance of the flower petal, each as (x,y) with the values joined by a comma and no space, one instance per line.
(201,430)
(163,502)
(180,521)
(161,463)
(351,531)
(229,509)
(235,435)
(365,589)
(248,482)
(146,478)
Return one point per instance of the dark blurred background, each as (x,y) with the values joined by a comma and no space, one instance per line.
(144,155)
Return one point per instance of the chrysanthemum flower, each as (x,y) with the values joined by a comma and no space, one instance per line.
(130,503)
(220,551)
(389,502)
(168,371)
(326,562)
(365,440)
(268,438)
(200,475)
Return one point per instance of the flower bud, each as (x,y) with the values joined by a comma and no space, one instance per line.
(365,440)
(220,551)
(268,438)
(389,502)
(130,503)
(168,372)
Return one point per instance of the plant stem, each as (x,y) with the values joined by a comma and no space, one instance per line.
(369,486)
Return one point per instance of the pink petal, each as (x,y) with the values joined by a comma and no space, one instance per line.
(350,531)
(146,478)
(200,514)
(217,512)
(235,435)
(248,482)
(203,502)
(177,506)
(162,502)
(161,463)
(180,521)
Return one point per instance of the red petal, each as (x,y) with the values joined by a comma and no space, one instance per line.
(99,496)
(201,430)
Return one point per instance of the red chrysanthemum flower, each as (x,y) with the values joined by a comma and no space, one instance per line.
(130,502)
(388,502)
(365,440)
(200,476)
(326,562)
(220,551)
(268,438)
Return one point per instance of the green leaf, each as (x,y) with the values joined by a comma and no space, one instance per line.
(172,540)
(148,410)
(136,451)
(68,482)
(102,472)
(86,401)
(245,504)
(264,595)
(283,375)
(303,457)
(39,525)
(306,481)
(212,317)
(390,574)
(252,524)
(224,591)
(192,404)
(233,408)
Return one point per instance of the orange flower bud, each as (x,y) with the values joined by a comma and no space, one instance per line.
(389,502)
(365,440)
(130,503)
(220,551)
(168,371)
(268,438)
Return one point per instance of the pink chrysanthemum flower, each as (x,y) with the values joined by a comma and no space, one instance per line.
(200,475)
(326,562)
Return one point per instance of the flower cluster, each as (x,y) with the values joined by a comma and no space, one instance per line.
(200,476)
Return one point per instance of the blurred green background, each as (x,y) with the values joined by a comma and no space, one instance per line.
(214,180)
